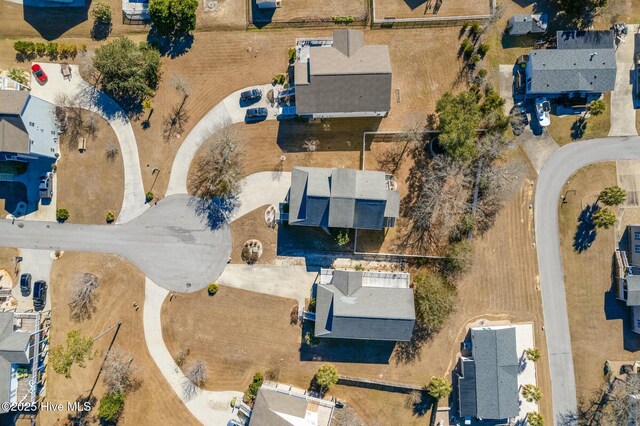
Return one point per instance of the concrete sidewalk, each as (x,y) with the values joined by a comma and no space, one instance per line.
(133,203)
(227,112)
(210,408)
(623,114)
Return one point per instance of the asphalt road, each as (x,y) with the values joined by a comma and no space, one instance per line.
(556,170)
(170,242)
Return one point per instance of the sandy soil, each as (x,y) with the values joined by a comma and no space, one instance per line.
(594,314)
(426,8)
(120,286)
(89,184)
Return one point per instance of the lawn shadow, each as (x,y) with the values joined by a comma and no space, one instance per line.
(53,22)
(586,230)
(344,350)
(408,353)
(261,17)
(317,247)
(14,195)
(578,128)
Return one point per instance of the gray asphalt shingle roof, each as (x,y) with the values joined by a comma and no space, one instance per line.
(347,77)
(347,309)
(574,39)
(527,23)
(467,396)
(572,70)
(633,290)
(496,372)
(340,198)
(13,347)
(270,404)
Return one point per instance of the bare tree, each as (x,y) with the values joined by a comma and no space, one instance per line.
(111,152)
(83,300)
(196,377)
(75,120)
(120,372)
(219,171)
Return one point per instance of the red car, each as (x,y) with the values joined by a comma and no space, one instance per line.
(39,73)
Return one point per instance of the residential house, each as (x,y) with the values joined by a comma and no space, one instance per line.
(342,77)
(342,198)
(581,69)
(28,127)
(528,24)
(627,275)
(282,405)
(19,357)
(364,305)
(488,380)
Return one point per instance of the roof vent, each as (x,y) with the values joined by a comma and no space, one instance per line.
(593,55)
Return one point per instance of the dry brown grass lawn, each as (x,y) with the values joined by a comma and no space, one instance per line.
(238,333)
(252,226)
(120,286)
(89,184)
(295,10)
(425,8)
(593,310)
(561,128)
(7,256)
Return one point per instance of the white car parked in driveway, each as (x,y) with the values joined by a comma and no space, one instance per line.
(543,111)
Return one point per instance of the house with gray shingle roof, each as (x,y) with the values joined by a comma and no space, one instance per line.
(583,66)
(627,273)
(342,77)
(488,380)
(282,405)
(342,198)
(28,128)
(528,23)
(364,305)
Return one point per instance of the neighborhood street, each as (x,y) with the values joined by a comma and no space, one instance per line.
(171,243)
(558,167)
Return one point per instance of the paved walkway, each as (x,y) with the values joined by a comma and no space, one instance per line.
(293,282)
(262,188)
(171,243)
(210,408)
(227,112)
(623,114)
(556,170)
(133,203)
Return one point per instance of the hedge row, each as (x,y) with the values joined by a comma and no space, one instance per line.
(28,49)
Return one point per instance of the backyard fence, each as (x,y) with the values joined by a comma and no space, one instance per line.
(437,21)
(378,385)
(359,21)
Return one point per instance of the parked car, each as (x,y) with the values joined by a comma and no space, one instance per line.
(543,111)
(25,284)
(45,186)
(249,95)
(39,295)
(257,113)
(39,73)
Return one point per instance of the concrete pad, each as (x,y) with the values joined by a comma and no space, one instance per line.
(506,87)
(538,148)
(527,375)
(628,175)
(37,263)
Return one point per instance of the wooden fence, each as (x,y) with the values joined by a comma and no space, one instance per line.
(438,21)
(378,385)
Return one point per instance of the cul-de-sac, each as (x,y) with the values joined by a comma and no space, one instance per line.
(320,213)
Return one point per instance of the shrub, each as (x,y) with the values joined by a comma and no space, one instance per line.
(326,377)
(279,79)
(438,387)
(110,406)
(466,47)
(52,50)
(531,393)
(101,12)
(233,401)
(251,393)
(174,18)
(148,196)
(182,357)
(532,354)
(535,419)
(476,29)
(292,54)
(147,104)
(343,19)
(483,49)
(613,195)
(62,215)
(482,73)
(597,107)
(359,267)
(212,289)
(474,59)
(342,238)
(604,218)
(25,49)
(312,304)
(310,339)
(41,49)
(18,74)
(110,217)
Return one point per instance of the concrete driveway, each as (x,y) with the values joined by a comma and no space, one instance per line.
(133,203)
(623,114)
(171,243)
(227,112)
(560,165)
(262,188)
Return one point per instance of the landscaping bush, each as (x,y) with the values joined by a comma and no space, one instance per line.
(326,377)
(252,392)
(466,47)
(19,75)
(476,29)
(474,59)
(111,406)
(52,50)
(342,238)
(110,216)
(482,73)
(41,49)
(212,289)
(343,19)
(312,304)
(62,215)
(148,196)
(174,18)
(25,48)
(101,12)
(292,54)
(279,79)
(483,49)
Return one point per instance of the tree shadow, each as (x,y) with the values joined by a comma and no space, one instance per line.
(407,353)
(578,128)
(215,212)
(168,45)
(53,22)
(101,30)
(419,402)
(586,230)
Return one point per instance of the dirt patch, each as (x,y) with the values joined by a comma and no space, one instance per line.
(594,314)
(120,286)
(429,9)
(563,129)
(501,284)
(89,184)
